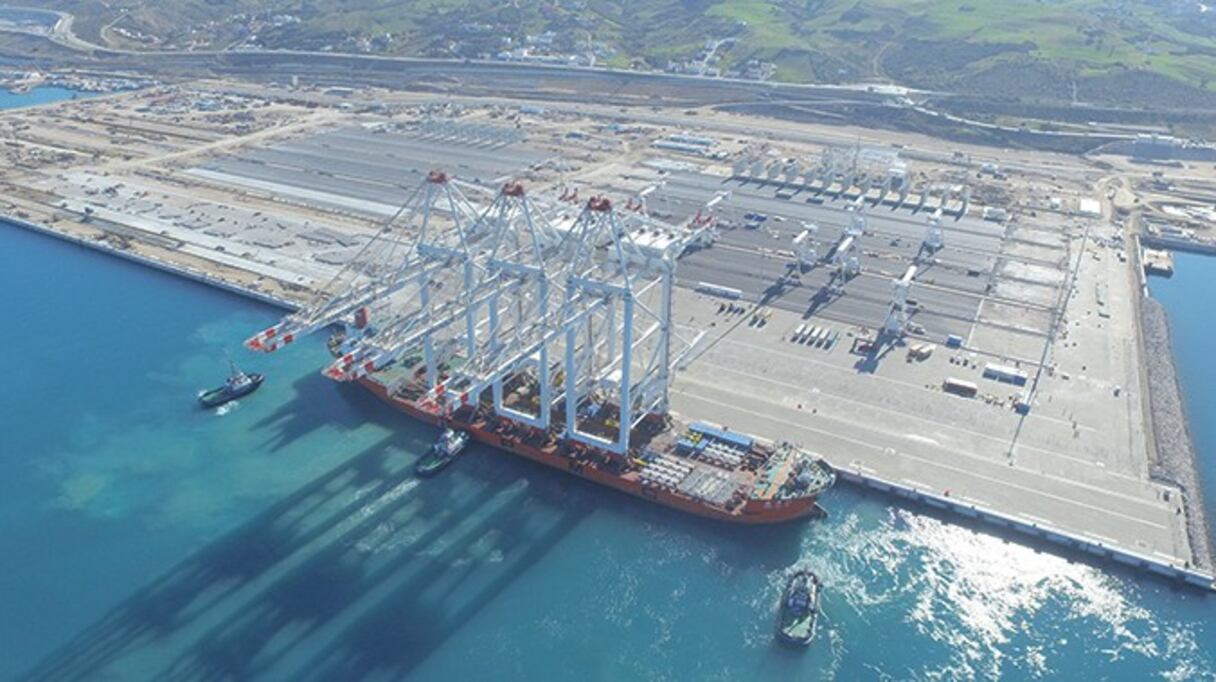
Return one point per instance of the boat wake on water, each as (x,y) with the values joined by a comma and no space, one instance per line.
(226,408)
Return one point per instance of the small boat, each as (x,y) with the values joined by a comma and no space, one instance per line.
(450,443)
(799,609)
(239,384)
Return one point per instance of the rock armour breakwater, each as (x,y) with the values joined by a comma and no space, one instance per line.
(1176,455)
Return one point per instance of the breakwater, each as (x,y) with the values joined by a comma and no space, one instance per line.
(1176,456)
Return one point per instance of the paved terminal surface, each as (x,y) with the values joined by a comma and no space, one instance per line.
(1076,462)
(895,423)
(366,169)
(955,283)
(277,197)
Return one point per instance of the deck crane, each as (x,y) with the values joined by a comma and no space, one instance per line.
(390,263)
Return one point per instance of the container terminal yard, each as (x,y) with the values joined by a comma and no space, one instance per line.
(925,321)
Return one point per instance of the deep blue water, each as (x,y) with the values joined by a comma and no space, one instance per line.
(1188,298)
(143,538)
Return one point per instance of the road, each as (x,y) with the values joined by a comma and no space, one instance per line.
(726,91)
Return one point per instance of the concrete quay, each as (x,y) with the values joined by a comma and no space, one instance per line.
(1042,531)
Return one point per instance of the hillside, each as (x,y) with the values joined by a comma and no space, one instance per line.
(1114,51)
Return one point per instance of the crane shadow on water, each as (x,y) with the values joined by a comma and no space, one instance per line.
(364,571)
(216,574)
(318,403)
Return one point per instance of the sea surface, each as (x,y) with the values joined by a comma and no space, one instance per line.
(144,538)
(1188,296)
(45,94)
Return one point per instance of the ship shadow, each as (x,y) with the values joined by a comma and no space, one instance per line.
(425,610)
(394,586)
(338,581)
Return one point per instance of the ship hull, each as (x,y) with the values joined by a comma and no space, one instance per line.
(224,394)
(750,512)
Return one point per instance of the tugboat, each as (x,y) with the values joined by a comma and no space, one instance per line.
(239,384)
(799,609)
(450,443)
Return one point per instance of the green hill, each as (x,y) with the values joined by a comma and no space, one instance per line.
(1100,50)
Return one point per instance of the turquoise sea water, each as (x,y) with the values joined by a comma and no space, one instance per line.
(144,538)
(40,95)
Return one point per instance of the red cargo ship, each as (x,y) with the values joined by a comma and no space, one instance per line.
(698,468)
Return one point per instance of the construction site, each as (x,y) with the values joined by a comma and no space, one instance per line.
(716,312)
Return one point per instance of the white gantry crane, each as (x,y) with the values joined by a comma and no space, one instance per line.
(845,254)
(804,247)
(896,324)
(934,238)
(616,323)
(554,317)
(388,266)
(466,305)
(638,202)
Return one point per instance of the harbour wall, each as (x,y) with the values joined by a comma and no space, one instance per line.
(173,269)
(1176,457)
(1174,244)
(1183,574)
(1152,565)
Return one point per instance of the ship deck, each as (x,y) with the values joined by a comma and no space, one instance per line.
(700,468)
